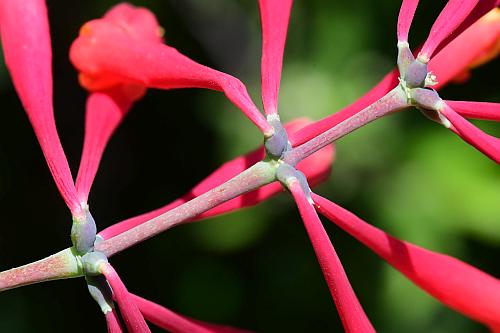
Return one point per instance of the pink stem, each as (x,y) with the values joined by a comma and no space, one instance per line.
(393,101)
(309,132)
(62,265)
(315,167)
(351,313)
(249,180)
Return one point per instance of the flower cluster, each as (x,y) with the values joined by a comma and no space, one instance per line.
(122,55)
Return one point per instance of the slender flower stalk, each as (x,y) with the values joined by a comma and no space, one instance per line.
(62,265)
(351,313)
(254,177)
(394,101)
(315,167)
(451,281)
(131,315)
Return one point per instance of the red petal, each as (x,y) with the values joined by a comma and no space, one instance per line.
(406,13)
(175,323)
(113,322)
(131,315)
(274,16)
(107,54)
(351,313)
(451,281)
(316,168)
(25,36)
(487,144)
(450,18)
(476,110)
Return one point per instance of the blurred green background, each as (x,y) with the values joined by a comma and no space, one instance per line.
(255,268)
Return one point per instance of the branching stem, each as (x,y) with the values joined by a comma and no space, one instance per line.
(394,101)
(254,177)
(68,263)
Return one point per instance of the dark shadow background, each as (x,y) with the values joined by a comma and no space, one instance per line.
(253,269)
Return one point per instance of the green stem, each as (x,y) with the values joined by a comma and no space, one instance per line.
(62,265)
(254,177)
(395,100)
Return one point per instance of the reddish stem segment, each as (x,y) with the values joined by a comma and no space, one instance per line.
(254,177)
(351,313)
(316,168)
(394,101)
